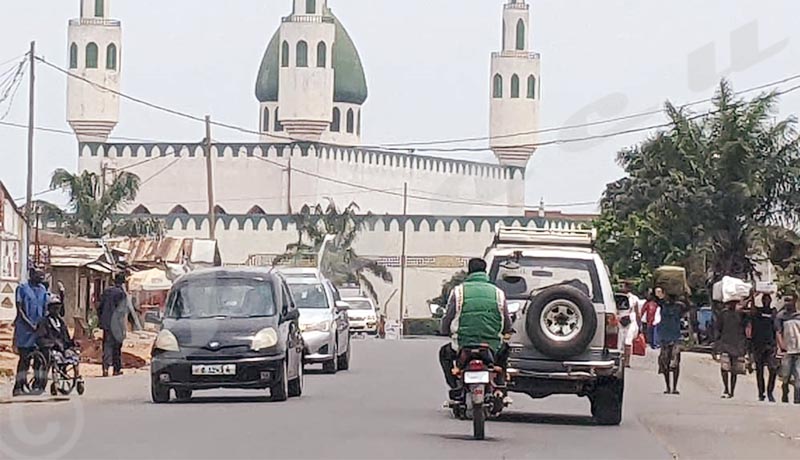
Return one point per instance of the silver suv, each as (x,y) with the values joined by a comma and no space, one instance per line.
(566,338)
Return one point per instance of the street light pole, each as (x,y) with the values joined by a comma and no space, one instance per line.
(212,218)
(403,254)
(29,189)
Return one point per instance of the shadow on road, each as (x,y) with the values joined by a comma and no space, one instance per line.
(224,400)
(545,419)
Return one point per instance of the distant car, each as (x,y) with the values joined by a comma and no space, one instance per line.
(363,315)
(227,328)
(323,319)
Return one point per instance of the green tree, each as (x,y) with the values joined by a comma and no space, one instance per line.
(91,211)
(338,229)
(704,193)
(447,286)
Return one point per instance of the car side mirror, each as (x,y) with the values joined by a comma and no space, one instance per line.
(152,317)
(342,306)
(290,316)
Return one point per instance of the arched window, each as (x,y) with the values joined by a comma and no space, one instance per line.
(350,121)
(285,54)
(521,35)
(179,210)
(278,125)
(99,9)
(256,211)
(336,124)
(91,55)
(140,210)
(497,86)
(111,57)
(531,87)
(73,56)
(358,123)
(265,120)
(322,55)
(302,54)
(311,6)
(514,86)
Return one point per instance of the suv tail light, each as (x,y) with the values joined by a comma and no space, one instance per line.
(612,331)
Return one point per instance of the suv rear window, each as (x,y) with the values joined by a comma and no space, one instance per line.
(519,277)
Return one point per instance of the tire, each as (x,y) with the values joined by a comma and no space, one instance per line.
(183,394)
(344,361)
(296,385)
(332,366)
(279,391)
(561,321)
(81,387)
(607,402)
(68,380)
(159,393)
(478,422)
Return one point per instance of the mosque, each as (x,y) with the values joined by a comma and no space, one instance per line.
(311,90)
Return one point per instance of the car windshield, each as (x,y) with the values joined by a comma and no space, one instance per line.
(308,295)
(359,304)
(221,297)
(521,277)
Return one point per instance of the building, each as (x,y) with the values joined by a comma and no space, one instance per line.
(12,257)
(311,89)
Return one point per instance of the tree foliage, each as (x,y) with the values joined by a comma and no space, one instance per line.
(92,212)
(705,193)
(447,287)
(341,264)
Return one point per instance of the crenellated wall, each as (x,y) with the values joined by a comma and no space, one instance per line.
(255,174)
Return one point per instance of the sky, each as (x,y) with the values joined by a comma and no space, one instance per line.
(427,65)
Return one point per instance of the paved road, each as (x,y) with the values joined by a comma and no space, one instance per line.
(388,406)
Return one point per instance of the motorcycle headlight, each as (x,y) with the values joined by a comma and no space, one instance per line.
(265,338)
(166,341)
(323,326)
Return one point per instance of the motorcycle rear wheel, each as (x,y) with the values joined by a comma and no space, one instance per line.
(478,422)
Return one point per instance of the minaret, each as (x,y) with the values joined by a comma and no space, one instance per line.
(514,89)
(94,53)
(305,97)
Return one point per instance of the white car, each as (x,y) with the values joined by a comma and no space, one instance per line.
(362,314)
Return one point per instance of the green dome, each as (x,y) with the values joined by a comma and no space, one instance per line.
(350,82)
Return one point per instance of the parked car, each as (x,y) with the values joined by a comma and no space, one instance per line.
(226,328)
(362,314)
(323,319)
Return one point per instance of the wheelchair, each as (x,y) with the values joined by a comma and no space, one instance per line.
(62,369)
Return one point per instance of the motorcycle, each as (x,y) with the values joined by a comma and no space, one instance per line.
(481,397)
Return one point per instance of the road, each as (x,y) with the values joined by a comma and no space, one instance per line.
(389,406)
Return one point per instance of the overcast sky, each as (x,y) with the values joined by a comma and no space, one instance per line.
(427,64)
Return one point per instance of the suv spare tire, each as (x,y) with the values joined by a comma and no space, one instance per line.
(561,321)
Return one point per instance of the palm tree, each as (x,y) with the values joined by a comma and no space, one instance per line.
(339,230)
(91,210)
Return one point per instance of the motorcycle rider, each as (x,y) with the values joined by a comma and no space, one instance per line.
(476,314)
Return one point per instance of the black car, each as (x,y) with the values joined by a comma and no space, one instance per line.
(228,328)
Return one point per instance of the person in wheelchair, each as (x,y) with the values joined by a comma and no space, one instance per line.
(52,336)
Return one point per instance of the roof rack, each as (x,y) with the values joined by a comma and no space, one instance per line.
(522,236)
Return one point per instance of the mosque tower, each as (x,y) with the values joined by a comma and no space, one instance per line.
(311,85)
(95,50)
(515,89)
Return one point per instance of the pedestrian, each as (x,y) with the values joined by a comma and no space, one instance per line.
(668,321)
(113,314)
(730,346)
(633,300)
(649,317)
(628,332)
(763,347)
(31,300)
(788,334)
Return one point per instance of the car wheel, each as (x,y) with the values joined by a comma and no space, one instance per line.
(159,393)
(344,360)
(561,321)
(607,402)
(296,385)
(332,366)
(279,391)
(183,394)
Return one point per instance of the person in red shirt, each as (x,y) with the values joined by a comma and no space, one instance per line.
(649,317)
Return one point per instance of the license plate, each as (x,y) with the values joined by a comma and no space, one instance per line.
(476,377)
(214,369)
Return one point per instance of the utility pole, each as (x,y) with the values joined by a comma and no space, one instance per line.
(403,254)
(29,190)
(289,185)
(212,218)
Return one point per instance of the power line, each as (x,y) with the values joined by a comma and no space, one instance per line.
(160,171)
(25,55)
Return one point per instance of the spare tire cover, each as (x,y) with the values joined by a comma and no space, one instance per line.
(561,321)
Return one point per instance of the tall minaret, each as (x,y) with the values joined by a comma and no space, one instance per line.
(95,53)
(306,76)
(514,89)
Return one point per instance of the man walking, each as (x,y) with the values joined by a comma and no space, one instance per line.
(649,317)
(31,299)
(113,314)
(788,328)
(668,321)
(731,346)
(764,351)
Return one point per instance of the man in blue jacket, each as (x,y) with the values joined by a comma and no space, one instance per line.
(31,299)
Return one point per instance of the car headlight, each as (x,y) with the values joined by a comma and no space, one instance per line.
(323,326)
(265,338)
(166,341)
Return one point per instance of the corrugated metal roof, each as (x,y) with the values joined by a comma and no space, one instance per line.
(170,250)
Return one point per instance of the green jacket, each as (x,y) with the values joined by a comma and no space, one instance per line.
(476,313)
